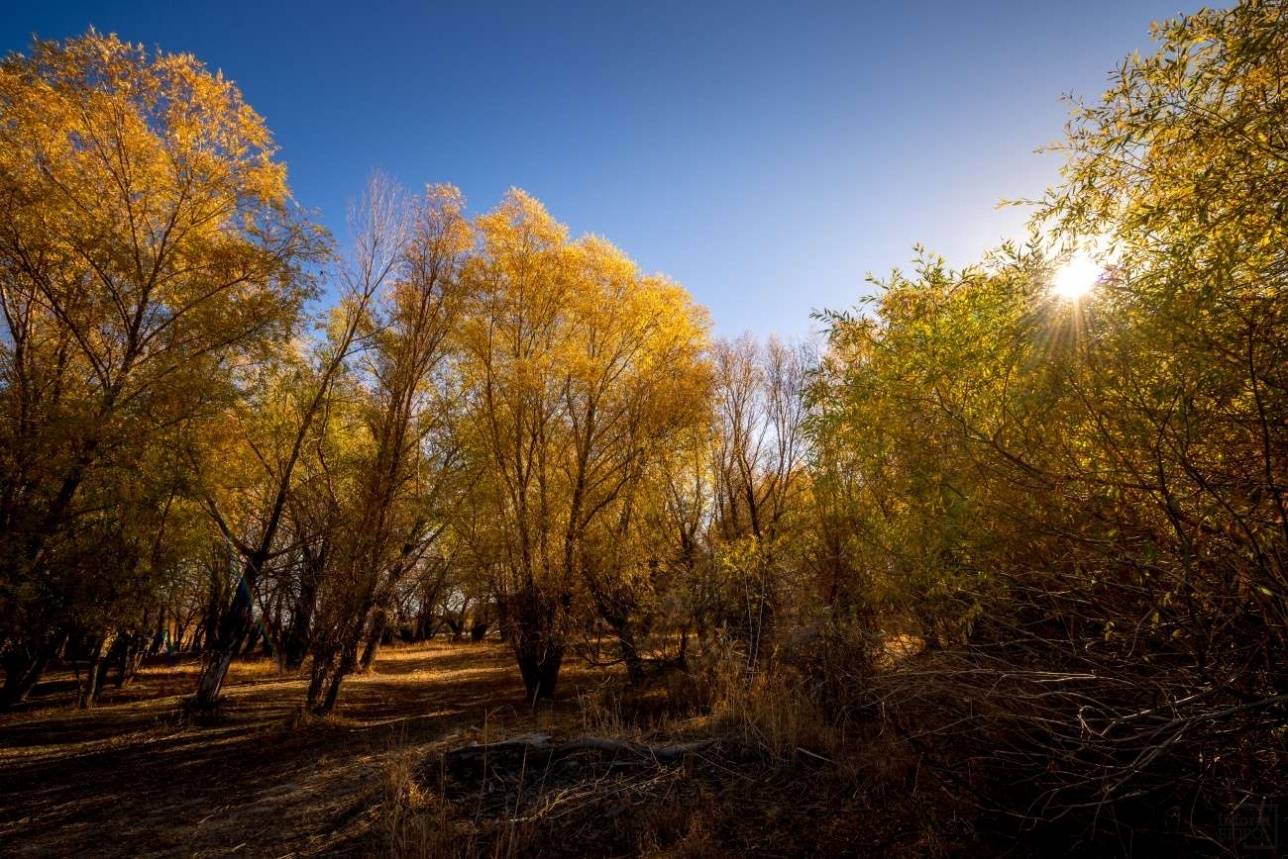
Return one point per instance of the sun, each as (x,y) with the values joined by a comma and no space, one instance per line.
(1076,278)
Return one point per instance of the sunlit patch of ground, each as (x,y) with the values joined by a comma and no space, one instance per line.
(900,647)
(133,778)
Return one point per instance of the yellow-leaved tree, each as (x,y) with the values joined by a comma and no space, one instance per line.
(147,248)
(580,372)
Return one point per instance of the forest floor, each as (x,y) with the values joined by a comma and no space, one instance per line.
(132,777)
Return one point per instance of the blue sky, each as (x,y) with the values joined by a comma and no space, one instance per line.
(766,155)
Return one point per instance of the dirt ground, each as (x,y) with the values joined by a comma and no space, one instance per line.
(132,778)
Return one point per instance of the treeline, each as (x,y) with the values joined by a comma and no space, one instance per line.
(1043,538)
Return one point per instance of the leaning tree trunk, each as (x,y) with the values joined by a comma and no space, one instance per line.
(96,672)
(375,635)
(328,672)
(347,664)
(338,659)
(236,620)
(319,675)
(233,626)
(131,658)
(23,666)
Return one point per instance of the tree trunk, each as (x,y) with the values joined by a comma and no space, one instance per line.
(96,672)
(221,648)
(630,653)
(375,635)
(317,680)
(297,637)
(328,673)
(538,645)
(131,659)
(503,619)
(540,672)
(23,665)
(347,663)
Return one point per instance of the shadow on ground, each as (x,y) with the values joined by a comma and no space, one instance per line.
(131,778)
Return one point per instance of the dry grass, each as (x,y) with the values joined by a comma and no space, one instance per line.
(130,779)
(773,713)
(414,822)
(778,776)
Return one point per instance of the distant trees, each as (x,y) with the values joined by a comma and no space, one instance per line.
(758,468)
(495,421)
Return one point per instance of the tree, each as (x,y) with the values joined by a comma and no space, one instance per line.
(1180,169)
(1089,492)
(759,466)
(147,250)
(377,253)
(579,370)
(408,405)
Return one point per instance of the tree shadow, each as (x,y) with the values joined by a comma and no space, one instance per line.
(132,778)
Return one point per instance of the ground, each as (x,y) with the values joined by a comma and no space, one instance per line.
(132,777)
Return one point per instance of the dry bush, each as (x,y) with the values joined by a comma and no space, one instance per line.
(664,701)
(767,770)
(1101,758)
(774,709)
(416,822)
(801,700)
(576,798)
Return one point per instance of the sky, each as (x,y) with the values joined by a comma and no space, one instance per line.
(769,156)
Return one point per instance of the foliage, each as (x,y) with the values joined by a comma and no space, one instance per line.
(1034,540)
(148,254)
(1080,502)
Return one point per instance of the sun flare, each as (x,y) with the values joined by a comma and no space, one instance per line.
(1074,280)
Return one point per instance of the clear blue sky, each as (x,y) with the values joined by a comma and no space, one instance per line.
(766,155)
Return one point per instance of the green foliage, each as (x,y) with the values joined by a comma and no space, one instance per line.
(1093,486)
